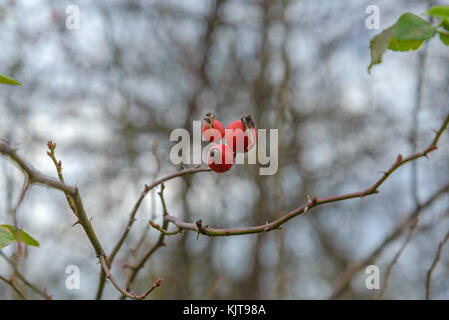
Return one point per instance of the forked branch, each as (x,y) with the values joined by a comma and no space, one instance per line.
(75,203)
(311,202)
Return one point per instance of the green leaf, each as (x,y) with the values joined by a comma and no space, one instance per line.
(445,24)
(8,80)
(408,33)
(378,45)
(24,237)
(440,12)
(445,38)
(6,237)
(411,27)
(404,45)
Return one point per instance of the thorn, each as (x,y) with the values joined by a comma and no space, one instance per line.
(77,222)
(267,228)
(309,203)
(399,159)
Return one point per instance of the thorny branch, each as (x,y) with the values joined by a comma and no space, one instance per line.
(396,258)
(26,186)
(19,275)
(14,287)
(134,270)
(311,203)
(75,202)
(434,264)
(136,207)
(74,199)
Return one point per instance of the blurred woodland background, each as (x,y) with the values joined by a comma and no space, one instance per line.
(110,93)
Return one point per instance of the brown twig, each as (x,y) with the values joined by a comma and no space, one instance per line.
(343,280)
(167,233)
(26,186)
(396,258)
(123,291)
(134,270)
(133,213)
(434,264)
(139,202)
(17,273)
(133,251)
(14,287)
(58,165)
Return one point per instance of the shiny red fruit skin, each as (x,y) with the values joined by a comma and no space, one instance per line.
(218,128)
(236,131)
(225,161)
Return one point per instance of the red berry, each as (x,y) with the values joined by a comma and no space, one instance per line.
(241,135)
(216,133)
(220,158)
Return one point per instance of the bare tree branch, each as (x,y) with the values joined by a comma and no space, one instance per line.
(14,287)
(134,270)
(19,275)
(26,186)
(134,212)
(342,282)
(74,199)
(123,291)
(75,202)
(434,264)
(311,203)
(396,258)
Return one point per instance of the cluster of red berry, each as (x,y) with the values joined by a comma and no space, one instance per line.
(240,136)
